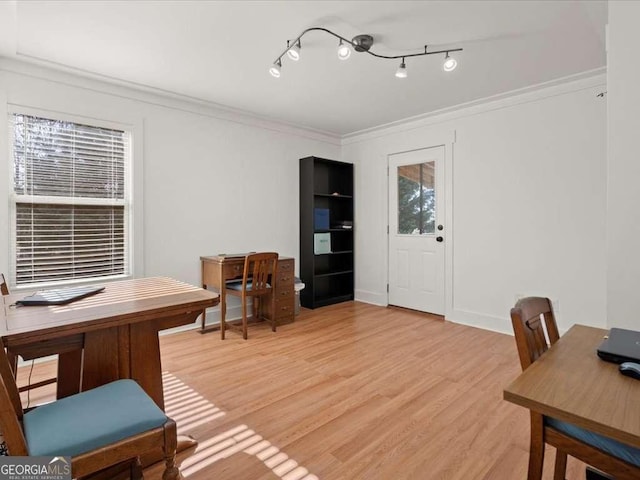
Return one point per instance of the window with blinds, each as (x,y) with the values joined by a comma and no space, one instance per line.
(70,199)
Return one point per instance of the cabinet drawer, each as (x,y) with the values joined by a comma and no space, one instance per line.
(236,270)
(285,266)
(284,308)
(284,279)
(283,293)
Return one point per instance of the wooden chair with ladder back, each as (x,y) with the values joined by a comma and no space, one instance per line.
(530,317)
(97,428)
(13,357)
(258,281)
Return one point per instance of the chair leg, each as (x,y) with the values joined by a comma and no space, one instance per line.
(171,471)
(561,465)
(536,447)
(13,362)
(136,470)
(273,312)
(256,312)
(244,318)
(223,322)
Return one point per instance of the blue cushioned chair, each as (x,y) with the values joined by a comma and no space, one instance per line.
(99,428)
(615,458)
(258,281)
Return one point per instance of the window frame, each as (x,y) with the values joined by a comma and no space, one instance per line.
(132,196)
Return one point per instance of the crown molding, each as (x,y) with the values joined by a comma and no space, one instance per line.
(58,73)
(572,83)
(65,75)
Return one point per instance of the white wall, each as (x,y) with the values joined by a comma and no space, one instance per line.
(528,203)
(623,207)
(527,188)
(213,181)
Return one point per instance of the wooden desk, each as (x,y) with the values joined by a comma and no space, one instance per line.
(216,270)
(569,382)
(117,329)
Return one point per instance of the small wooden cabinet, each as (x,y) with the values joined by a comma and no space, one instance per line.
(284,292)
(326,214)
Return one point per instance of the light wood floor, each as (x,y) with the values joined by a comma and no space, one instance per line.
(351,391)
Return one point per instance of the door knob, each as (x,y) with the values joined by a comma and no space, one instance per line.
(439,239)
(440,227)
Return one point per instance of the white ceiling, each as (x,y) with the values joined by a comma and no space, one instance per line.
(220,51)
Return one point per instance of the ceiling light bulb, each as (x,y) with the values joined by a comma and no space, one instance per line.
(275,69)
(402,70)
(449,64)
(294,52)
(344,51)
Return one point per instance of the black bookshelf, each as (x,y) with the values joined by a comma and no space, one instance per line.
(328,277)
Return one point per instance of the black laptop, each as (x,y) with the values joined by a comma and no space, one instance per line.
(620,346)
(59,296)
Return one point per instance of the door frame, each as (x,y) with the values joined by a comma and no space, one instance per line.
(447,140)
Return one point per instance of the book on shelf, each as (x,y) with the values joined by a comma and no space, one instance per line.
(321,218)
(321,243)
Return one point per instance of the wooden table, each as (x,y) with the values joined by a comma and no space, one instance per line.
(569,382)
(217,269)
(116,331)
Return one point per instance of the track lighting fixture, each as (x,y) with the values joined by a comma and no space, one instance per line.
(275,68)
(401,72)
(360,43)
(449,63)
(294,51)
(344,51)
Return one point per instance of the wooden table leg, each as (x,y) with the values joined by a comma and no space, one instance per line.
(144,354)
(69,373)
(130,351)
(223,303)
(101,363)
(204,312)
(212,276)
(146,369)
(203,318)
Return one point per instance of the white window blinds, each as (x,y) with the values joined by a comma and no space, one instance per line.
(70,198)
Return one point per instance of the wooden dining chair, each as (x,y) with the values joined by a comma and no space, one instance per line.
(97,428)
(4,288)
(530,317)
(13,357)
(258,281)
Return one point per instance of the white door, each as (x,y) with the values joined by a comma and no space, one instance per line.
(416,230)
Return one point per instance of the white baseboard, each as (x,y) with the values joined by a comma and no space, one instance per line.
(478,320)
(463,317)
(373,298)
(26,363)
(486,322)
(213,318)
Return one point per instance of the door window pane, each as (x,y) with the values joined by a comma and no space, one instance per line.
(416,199)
